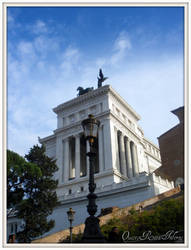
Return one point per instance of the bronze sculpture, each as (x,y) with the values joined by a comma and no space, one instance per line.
(83,91)
(101,78)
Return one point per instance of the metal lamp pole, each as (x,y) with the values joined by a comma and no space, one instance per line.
(92,232)
(70,213)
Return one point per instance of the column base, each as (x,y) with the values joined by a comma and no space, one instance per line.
(92,232)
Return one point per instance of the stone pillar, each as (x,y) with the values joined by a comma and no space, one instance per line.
(134,160)
(59,157)
(122,154)
(100,149)
(114,148)
(77,155)
(117,163)
(107,144)
(128,158)
(66,159)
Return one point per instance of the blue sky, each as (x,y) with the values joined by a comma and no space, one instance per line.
(53,50)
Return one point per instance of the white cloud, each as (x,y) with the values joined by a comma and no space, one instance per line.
(44,72)
(122,42)
(121,45)
(70,60)
(39,27)
(10,18)
(100,62)
(153,89)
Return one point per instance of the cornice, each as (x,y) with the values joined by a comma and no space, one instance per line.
(104,193)
(82,98)
(150,142)
(48,138)
(153,156)
(92,94)
(133,133)
(80,180)
(124,103)
(76,125)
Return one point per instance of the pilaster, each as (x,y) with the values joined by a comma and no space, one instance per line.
(66,160)
(128,158)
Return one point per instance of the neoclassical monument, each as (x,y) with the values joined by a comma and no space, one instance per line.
(125,159)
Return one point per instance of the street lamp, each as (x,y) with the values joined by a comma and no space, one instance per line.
(70,213)
(92,232)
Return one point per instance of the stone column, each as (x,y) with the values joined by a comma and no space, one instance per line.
(134,160)
(66,159)
(101,149)
(115,158)
(107,144)
(59,157)
(122,154)
(117,150)
(77,155)
(128,158)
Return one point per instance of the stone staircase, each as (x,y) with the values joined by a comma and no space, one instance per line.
(109,213)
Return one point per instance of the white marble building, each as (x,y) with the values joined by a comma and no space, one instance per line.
(14,224)
(125,163)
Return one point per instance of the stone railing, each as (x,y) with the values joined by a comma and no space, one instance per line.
(164,182)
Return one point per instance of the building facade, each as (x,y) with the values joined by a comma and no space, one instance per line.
(171,145)
(14,224)
(125,163)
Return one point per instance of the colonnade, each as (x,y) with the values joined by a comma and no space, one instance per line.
(74,163)
(127,160)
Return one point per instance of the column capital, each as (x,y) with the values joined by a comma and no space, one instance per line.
(66,139)
(119,132)
(126,139)
(77,135)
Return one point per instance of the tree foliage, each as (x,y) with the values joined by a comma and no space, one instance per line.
(167,216)
(31,189)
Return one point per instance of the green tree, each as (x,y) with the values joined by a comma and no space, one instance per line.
(38,199)
(17,167)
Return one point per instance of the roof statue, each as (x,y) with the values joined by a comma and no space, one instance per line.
(101,78)
(83,91)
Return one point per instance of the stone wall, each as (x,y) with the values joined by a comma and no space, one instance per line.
(171,146)
(116,213)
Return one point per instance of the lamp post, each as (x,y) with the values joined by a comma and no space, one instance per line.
(92,232)
(70,213)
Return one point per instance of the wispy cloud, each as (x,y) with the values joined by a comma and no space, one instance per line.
(46,67)
(39,27)
(121,46)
